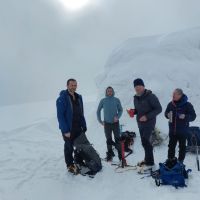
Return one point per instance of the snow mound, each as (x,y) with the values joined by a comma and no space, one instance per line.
(164,62)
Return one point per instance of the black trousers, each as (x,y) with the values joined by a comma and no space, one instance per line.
(69,146)
(68,151)
(114,128)
(173,140)
(146,136)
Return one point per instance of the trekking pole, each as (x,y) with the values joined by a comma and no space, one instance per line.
(197,152)
(197,158)
(197,155)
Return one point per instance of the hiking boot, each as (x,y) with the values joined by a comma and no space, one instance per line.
(112,153)
(170,162)
(145,168)
(73,169)
(109,156)
(142,163)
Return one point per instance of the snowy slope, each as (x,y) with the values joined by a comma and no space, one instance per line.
(31,147)
(164,62)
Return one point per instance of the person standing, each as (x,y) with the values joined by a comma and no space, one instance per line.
(112,110)
(180,113)
(71,120)
(147,107)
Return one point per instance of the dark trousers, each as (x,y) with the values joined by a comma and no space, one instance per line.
(146,136)
(68,151)
(173,140)
(110,128)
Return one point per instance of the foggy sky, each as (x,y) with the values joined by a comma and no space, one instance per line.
(42,44)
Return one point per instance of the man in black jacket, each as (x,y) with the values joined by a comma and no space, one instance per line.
(179,112)
(147,107)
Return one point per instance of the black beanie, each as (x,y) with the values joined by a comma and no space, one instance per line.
(138,82)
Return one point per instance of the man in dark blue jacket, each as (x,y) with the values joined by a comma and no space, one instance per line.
(179,112)
(71,120)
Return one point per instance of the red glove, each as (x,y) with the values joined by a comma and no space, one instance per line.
(131,112)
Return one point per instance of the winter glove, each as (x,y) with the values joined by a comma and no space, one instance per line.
(67,135)
(182,116)
(116,119)
(169,115)
(143,119)
(84,129)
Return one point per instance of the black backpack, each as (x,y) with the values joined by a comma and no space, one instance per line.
(85,155)
(128,138)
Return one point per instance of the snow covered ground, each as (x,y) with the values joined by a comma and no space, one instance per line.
(31,148)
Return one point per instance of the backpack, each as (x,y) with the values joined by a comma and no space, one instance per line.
(85,155)
(193,139)
(128,138)
(174,176)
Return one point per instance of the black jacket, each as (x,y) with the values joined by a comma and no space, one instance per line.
(148,105)
(180,126)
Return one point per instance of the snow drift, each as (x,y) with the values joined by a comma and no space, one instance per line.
(164,62)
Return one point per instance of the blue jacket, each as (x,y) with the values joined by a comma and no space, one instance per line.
(65,112)
(180,126)
(111,107)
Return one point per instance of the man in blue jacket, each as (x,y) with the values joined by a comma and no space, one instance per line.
(112,112)
(180,113)
(71,120)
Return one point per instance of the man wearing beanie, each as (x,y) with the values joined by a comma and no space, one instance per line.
(147,107)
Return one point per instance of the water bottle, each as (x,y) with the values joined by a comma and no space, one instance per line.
(170,117)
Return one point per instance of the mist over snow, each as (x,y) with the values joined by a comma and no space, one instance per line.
(43,44)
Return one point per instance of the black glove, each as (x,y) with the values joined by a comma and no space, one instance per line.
(84,129)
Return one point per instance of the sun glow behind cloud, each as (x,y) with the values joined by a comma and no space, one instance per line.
(75,5)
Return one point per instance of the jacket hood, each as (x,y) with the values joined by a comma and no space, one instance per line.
(146,93)
(112,90)
(182,101)
(63,92)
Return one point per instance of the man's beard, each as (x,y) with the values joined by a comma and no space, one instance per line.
(72,90)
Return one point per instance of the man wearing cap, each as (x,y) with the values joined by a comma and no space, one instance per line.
(147,107)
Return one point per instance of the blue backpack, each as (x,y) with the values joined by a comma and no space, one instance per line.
(174,176)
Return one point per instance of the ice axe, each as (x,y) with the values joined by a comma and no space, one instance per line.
(197,158)
(194,140)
